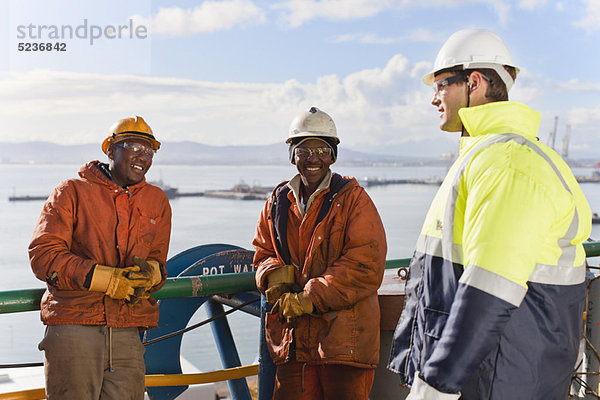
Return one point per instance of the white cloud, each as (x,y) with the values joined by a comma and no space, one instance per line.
(297,12)
(376,108)
(425,35)
(501,7)
(575,85)
(585,116)
(208,17)
(531,4)
(417,35)
(386,105)
(591,22)
(583,123)
(367,38)
(348,37)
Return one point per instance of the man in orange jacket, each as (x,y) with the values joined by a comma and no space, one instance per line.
(101,245)
(320,255)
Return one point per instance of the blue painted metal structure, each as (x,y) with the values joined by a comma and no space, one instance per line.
(164,357)
(266,367)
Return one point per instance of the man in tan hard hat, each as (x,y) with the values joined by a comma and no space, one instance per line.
(495,293)
(101,245)
(320,255)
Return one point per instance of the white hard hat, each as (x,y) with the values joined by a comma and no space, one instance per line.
(313,122)
(473,49)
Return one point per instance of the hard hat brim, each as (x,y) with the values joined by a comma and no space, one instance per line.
(429,78)
(124,136)
(316,135)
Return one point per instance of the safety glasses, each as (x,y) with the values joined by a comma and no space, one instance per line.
(305,152)
(136,148)
(443,84)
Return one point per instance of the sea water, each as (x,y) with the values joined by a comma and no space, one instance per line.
(196,221)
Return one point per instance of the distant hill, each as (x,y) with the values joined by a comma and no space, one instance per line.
(189,153)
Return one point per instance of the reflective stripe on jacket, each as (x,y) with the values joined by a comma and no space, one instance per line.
(510,215)
(90,220)
(341,263)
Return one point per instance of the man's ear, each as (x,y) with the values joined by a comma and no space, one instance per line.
(475,80)
(110,152)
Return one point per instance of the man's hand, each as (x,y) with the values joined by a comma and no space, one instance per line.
(421,390)
(139,294)
(149,275)
(275,292)
(114,282)
(148,272)
(279,282)
(292,305)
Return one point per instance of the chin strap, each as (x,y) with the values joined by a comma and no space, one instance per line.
(462,130)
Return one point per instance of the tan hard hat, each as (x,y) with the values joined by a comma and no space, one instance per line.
(313,122)
(132,127)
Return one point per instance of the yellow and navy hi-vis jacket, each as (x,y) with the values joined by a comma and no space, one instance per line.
(495,293)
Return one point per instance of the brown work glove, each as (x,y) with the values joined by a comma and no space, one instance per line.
(138,294)
(274,293)
(292,305)
(279,282)
(148,272)
(149,275)
(114,282)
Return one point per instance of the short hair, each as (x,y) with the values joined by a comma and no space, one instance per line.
(496,89)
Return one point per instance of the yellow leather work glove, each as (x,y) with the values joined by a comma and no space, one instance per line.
(274,293)
(114,281)
(148,273)
(282,275)
(279,282)
(292,305)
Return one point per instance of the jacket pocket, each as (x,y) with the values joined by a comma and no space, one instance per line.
(279,337)
(147,228)
(435,321)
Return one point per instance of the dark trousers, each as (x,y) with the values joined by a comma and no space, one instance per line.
(295,380)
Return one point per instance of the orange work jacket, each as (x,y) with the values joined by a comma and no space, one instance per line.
(340,265)
(90,220)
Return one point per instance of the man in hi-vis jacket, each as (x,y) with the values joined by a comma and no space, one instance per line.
(495,293)
(101,245)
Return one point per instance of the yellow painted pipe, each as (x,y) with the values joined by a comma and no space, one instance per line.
(205,377)
(157,380)
(31,394)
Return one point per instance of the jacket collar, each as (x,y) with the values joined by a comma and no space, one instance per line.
(294,185)
(500,117)
(497,118)
(92,172)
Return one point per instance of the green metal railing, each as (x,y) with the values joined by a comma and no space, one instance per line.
(12,301)
(190,286)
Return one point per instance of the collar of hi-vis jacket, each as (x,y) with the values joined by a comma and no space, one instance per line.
(294,185)
(91,172)
(497,118)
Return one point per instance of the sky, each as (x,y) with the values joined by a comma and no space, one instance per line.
(236,72)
